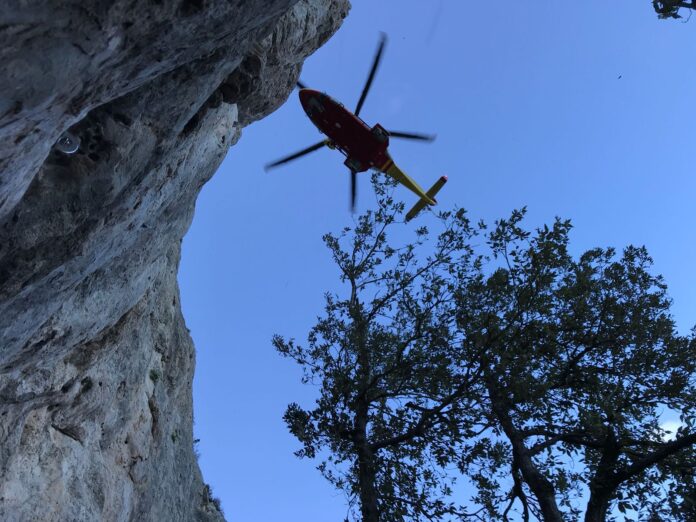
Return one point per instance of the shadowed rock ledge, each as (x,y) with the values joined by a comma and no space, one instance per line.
(96,363)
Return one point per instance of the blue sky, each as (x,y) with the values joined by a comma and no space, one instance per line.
(576,109)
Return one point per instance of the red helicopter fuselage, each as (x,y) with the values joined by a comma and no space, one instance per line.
(364,147)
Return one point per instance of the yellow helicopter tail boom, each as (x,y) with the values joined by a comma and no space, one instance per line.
(391,169)
(430,197)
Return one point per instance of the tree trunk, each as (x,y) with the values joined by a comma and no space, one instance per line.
(367,472)
(368,492)
(541,487)
(603,484)
(597,506)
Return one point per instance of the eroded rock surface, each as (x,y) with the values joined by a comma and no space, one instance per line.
(96,363)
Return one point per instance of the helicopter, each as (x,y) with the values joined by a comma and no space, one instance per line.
(363,146)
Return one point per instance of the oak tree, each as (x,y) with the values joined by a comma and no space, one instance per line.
(391,411)
(581,358)
(541,377)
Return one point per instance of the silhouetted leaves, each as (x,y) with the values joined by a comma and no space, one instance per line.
(539,376)
(671,8)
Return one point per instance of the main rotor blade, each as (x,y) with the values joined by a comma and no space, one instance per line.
(375,64)
(301,85)
(353,189)
(291,157)
(411,136)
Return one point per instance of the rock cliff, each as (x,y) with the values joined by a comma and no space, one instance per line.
(96,363)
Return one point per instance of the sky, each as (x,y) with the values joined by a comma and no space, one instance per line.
(580,110)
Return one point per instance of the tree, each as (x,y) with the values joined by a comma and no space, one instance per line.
(542,377)
(671,8)
(391,412)
(580,359)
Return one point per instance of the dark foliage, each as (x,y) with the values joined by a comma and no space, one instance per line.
(392,410)
(542,378)
(581,359)
(671,8)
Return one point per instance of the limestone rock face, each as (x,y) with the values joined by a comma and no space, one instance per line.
(96,363)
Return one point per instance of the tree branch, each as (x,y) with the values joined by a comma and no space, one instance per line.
(656,456)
